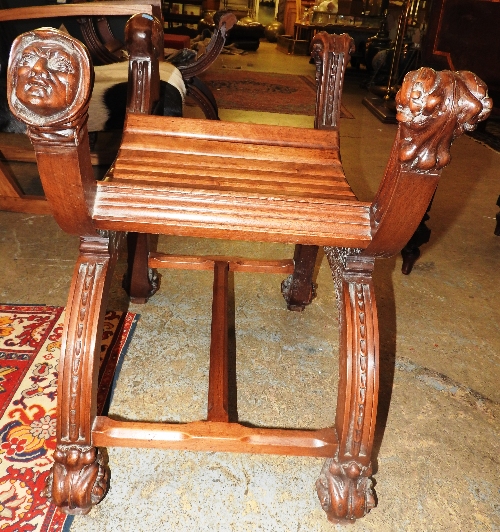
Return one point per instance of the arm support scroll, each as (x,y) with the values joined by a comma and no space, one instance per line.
(434,108)
(144,40)
(224,22)
(49,83)
(331,53)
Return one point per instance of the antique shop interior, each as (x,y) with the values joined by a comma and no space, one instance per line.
(244,66)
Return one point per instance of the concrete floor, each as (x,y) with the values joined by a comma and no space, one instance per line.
(436,461)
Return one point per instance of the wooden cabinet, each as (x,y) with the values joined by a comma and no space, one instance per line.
(183,16)
(463,35)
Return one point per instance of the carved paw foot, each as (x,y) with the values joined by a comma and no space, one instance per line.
(79,479)
(142,293)
(289,294)
(345,491)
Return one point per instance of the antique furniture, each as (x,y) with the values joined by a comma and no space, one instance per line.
(11,196)
(233,181)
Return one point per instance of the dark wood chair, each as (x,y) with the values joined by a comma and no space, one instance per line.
(215,179)
(93,15)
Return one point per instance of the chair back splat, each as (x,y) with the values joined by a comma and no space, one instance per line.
(205,178)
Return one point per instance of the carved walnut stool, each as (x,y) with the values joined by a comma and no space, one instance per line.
(204,178)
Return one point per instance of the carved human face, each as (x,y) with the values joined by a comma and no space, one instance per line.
(46,79)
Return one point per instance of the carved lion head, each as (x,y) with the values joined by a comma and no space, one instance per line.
(433,108)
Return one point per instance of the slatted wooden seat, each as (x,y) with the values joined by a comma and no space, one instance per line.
(231,181)
(257,182)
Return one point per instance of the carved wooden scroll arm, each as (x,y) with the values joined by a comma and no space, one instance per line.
(52,98)
(434,108)
(331,54)
(99,37)
(224,22)
(144,40)
(195,87)
(199,91)
(106,49)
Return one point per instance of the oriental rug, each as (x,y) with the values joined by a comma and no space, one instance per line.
(264,91)
(30,341)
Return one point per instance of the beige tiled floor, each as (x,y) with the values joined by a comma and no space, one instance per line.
(437,446)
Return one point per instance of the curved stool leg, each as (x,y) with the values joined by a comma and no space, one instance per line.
(298,289)
(411,252)
(140,282)
(344,486)
(80,476)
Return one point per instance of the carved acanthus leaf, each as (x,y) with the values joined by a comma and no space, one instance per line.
(79,478)
(337,258)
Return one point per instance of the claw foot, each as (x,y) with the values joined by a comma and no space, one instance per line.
(345,491)
(288,292)
(79,479)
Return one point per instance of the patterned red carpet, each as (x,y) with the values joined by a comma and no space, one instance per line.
(30,341)
(264,91)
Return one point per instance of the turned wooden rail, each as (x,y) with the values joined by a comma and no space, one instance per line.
(184,177)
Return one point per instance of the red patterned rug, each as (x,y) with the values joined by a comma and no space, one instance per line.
(30,341)
(264,91)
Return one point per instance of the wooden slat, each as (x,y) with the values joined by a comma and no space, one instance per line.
(204,178)
(231,132)
(232,216)
(213,436)
(216,148)
(330,168)
(226,173)
(206,262)
(218,385)
(270,189)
